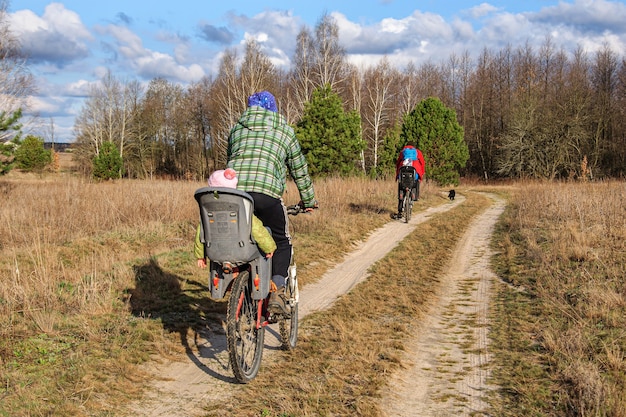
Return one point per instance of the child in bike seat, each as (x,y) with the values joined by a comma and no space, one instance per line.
(228,178)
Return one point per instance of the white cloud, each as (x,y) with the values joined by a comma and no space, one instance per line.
(45,105)
(506,28)
(65,21)
(259,37)
(276,30)
(347,29)
(57,37)
(393,26)
(149,63)
(463,30)
(481,10)
(79,88)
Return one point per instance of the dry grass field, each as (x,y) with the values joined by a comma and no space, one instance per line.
(98,278)
(560,322)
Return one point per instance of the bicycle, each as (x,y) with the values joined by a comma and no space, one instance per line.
(236,265)
(407,185)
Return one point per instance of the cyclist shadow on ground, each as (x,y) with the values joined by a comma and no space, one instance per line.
(369,208)
(158,294)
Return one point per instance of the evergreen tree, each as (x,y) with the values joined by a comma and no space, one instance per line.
(30,155)
(330,138)
(108,163)
(9,123)
(437,133)
(7,157)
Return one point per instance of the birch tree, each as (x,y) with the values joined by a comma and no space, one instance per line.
(329,58)
(378,96)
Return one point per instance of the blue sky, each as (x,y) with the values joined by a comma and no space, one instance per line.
(72,43)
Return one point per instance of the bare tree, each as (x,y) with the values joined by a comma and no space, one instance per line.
(319,60)
(329,58)
(233,85)
(200,114)
(257,71)
(465,76)
(378,96)
(456,76)
(302,83)
(483,120)
(431,83)
(353,89)
(16,81)
(227,104)
(409,93)
(450,78)
(107,115)
(619,169)
(604,83)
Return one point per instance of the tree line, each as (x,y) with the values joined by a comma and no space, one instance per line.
(522,112)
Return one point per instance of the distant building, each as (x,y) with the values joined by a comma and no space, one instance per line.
(58,146)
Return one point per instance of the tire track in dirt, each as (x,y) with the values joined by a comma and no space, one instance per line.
(447,373)
(181,388)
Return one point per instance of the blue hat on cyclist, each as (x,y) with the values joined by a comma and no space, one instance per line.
(263,99)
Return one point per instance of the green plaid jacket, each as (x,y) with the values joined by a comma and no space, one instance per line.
(261,148)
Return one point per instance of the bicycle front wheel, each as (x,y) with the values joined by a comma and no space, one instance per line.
(407,206)
(288,324)
(245,341)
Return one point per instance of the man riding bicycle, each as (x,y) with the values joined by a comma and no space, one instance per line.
(262,148)
(409,155)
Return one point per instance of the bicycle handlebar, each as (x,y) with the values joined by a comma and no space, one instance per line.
(296,209)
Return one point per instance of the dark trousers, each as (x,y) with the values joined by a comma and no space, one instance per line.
(416,193)
(272,212)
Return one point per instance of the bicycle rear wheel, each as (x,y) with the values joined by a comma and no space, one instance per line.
(245,341)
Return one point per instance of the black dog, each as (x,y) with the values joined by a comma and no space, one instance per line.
(451,194)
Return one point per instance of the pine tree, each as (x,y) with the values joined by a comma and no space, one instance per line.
(437,133)
(9,126)
(330,138)
(31,155)
(108,163)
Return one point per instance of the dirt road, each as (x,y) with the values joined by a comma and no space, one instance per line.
(448,376)
(205,376)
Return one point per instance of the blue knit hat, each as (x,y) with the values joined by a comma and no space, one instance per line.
(263,99)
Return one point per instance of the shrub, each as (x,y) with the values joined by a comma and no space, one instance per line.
(31,155)
(107,164)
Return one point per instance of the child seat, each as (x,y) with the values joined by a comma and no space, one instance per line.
(226,225)
(226,232)
(407,176)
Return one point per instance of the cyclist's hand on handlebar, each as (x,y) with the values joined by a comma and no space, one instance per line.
(308,209)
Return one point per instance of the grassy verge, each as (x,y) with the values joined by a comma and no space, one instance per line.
(346,352)
(560,317)
(99,278)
